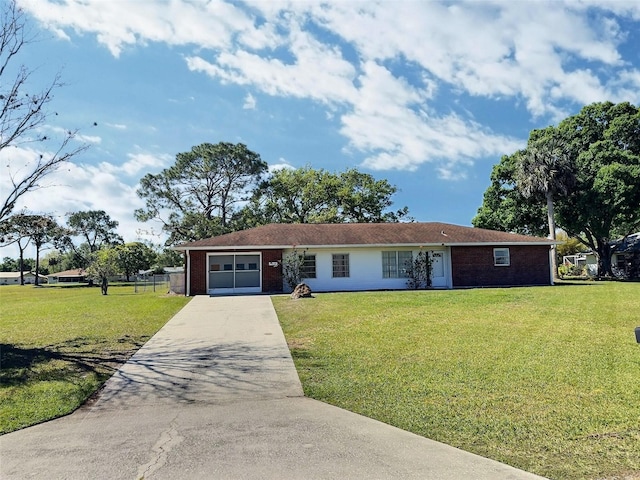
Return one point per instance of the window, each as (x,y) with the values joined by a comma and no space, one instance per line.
(501,257)
(309,266)
(394,264)
(620,261)
(340,265)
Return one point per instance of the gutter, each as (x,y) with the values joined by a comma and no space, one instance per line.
(366,245)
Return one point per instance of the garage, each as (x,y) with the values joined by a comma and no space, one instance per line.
(234,273)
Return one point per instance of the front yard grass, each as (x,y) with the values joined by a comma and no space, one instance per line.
(59,345)
(544,379)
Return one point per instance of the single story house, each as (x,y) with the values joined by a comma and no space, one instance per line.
(13,278)
(77,275)
(363,256)
(622,259)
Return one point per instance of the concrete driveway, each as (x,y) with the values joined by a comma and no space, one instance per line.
(215,395)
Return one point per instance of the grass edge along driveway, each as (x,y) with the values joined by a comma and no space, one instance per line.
(59,345)
(544,379)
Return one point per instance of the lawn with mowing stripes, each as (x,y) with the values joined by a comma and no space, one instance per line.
(59,345)
(545,379)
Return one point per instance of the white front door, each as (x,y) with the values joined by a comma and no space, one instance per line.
(438,278)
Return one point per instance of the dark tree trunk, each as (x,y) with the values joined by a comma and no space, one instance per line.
(21,264)
(36,282)
(604,259)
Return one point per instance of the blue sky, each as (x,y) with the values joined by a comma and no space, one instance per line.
(428,95)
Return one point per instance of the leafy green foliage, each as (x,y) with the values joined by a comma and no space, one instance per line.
(600,204)
(505,208)
(307,195)
(86,233)
(419,271)
(133,257)
(105,263)
(197,196)
(23,229)
(293,268)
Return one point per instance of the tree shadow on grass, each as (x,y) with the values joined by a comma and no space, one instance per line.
(63,361)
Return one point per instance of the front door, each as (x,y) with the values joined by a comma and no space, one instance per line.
(234,273)
(438,278)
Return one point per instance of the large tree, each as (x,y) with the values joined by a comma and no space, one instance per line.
(603,204)
(16,230)
(23,229)
(198,195)
(87,232)
(44,230)
(24,111)
(307,195)
(104,264)
(134,257)
(545,167)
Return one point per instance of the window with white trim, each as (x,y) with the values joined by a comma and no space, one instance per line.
(309,266)
(340,263)
(501,257)
(394,264)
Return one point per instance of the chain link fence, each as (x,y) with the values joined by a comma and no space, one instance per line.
(153,283)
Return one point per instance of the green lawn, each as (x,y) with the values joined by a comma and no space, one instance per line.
(544,379)
(58,345)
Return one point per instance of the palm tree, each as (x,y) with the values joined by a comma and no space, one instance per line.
(546,168)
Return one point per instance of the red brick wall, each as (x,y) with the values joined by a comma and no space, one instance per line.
(271,276)
(473,266)
(198,272)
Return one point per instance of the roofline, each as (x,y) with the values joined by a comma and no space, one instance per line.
(366,245)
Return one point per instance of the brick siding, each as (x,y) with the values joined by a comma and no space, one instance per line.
(473,266)
(271,276)
(198,272)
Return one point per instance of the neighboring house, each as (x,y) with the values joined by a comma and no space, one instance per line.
(626,259)
(363,256)
(13,278)
(621,259)
(77,275)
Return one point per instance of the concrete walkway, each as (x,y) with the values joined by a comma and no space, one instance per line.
(215,395)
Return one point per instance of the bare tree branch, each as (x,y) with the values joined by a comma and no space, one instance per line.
(23,113)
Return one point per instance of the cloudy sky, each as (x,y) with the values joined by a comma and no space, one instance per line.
(426,94)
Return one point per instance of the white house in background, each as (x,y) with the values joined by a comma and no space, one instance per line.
(619,259)
(77,275)
(13,278)
(363,256)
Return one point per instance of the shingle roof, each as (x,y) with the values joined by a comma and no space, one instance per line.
(76,272)
(360,234)
(17,274)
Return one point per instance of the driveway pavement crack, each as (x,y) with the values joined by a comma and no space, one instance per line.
(159,452)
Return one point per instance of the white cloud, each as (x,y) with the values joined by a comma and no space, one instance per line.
(138,163)
(75,186)
(282,163)
(353,57)
(249,102)
(93,139)
(121,24)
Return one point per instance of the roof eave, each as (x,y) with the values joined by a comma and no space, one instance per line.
(365,245)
